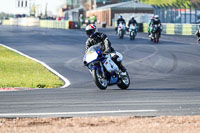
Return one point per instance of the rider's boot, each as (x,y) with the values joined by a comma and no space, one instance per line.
(118,63)
(121,67)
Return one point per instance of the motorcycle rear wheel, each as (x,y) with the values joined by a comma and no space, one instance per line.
(101,82)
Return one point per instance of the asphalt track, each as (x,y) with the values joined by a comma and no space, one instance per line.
(165,77)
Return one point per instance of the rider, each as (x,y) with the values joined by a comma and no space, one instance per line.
(97,37)
(132,21)
(198,34)
(156,21)
(120,20)
(150,25)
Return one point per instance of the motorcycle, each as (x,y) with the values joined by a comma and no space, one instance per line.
(198,35)
(121,30)
(132,31)
(155,35)
(103,69)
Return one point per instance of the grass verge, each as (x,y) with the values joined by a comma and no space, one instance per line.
(19,71)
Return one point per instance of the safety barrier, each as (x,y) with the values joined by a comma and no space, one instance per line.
(29,21)
(54,24)
(41,23)
(175,29)
(168,28)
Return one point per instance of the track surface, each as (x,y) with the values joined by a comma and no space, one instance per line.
(165,77)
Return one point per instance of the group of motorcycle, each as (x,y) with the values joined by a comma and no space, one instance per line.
(132,31)
(102,67)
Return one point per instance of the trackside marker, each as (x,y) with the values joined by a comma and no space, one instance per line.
(66,81)
(9,89)
(74,113)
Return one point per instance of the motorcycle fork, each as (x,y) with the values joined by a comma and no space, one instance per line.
(102,70)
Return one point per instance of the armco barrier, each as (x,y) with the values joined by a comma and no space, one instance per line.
(176,29)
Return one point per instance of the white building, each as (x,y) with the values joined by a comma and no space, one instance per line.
(23,6)
(26,6)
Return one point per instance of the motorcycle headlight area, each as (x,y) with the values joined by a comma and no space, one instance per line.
(91,57)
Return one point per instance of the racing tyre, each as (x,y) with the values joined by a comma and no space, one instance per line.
(132,36)
(101,82)
(124,81)
(121,35)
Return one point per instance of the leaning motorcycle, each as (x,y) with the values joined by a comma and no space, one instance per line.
(103,69)
(155,35)
(132,31)
(121,30)
(198,35)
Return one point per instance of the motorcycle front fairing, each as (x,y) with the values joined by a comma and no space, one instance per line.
(93,58)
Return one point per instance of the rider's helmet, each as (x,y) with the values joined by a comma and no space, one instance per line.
(120,17)
(90,29)
(133,18)
(156,17)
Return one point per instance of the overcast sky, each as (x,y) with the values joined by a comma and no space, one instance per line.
(10,6)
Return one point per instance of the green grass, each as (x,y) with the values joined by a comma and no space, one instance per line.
(19,71)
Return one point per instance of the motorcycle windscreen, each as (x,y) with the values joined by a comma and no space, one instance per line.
(91,57)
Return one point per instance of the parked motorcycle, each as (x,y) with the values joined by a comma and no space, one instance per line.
(121,30)
(155,35)
(132,31)
(103,69)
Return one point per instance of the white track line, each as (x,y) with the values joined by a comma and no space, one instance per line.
(74,113)
(66,81)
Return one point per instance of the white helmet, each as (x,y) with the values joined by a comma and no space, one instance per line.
(90,29)
(156,17)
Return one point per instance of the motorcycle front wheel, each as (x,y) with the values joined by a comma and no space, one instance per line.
(101,82)
(124,81)
(157,37)
(132,35)
(121,35)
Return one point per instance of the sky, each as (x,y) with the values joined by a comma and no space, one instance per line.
(10,6)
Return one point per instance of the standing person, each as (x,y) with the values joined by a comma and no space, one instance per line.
(94,19)
(98,37)
(81,19)
(88,21)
